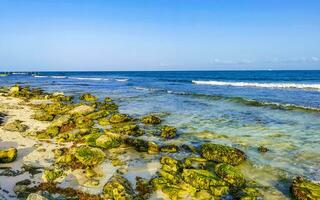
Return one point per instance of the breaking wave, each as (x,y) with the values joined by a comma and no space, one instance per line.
(261,85)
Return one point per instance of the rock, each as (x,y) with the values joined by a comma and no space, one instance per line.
(303,189)
(2,116)
(142,145)
(263,149)
(171,165)
(88,97)
(16,125)
(50,175)
(15,89)
(90,173)
(89,156)
(35,196)
(119,118)
(107,100)
(195,163)
(42,116)
(91,138)
(109,140)
(84,122)
(230,174)
(143,187)
(151,119)
(9,155)
(60,121)
(21,186)
(168,132)
(222,154)
(170,148)
(127,129)
(103,121)
(249,193)
(118,188)
(98,114)
(81,110)
(205,180)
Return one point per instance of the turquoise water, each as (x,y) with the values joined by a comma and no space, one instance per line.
(276,109)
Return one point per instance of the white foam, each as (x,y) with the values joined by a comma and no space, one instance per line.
(88,78)
(58,76)
(262,85)
(37,76)
(121,79)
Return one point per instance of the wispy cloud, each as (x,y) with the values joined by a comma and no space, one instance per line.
(312,59)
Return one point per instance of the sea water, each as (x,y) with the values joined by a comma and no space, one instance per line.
(245,109)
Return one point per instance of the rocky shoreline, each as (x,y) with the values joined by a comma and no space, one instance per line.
(54,146)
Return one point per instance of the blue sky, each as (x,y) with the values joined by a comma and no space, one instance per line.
(159,34)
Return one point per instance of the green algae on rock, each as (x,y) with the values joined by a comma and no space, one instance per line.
(89,156)
(50,175)
(170,148)
(222,154)
(109,140)
(9,155)
(88,97)
(16,125)
(168,132)
(119,118)
(195,162)
(230,174)
(42,116)
(303,189)
(150,119)
(118,188)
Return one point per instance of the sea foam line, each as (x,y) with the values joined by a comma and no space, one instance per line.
(262,85)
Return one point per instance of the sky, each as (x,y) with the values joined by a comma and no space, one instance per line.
(159,35)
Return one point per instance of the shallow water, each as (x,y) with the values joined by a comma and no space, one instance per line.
(263,111)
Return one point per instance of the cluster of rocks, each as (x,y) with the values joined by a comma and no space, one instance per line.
(94,127)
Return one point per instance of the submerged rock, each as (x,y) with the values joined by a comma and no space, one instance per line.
(170,148)
(118,188)
(89,156)
(222,154)
(168,132)
(16,125)
(35,196)
(88,97)
(303,189)
(9,155)
(151,119)
(263,149)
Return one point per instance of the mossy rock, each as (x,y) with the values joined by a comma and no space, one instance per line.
(9,155)
(203,179)
(195,163)
(88,97)
(118,188)
(89,156)
(103,122)
(171,165)
(170,148)
(50,175)
(119,118)
(249,193)
(168,132)
(303,189)
(84,122)
(15,89)
(142,145)
(222,154)
(16,125)
(91,138)
(35,196)
(98,114)
(127,129)
(81,110)
(107,100)
(61,120)
(109,140)
(50,132)
(42,116)
(143,187)
(230,174)
(150,119)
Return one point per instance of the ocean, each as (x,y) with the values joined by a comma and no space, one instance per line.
(245,109)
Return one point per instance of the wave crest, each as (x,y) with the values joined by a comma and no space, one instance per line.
(262,85)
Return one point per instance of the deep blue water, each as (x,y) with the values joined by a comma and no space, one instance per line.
(277,109)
